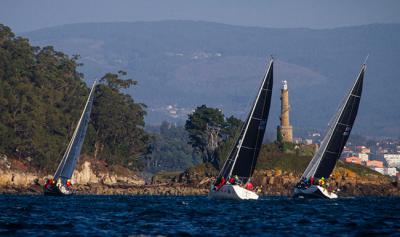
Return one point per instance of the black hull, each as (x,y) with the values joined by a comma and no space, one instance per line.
(314,192)
(310,196)
(55,192)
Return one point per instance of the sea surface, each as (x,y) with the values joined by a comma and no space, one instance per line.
(197,216)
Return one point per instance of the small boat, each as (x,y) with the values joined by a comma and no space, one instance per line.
(243,157)
(59,185)
(324,160)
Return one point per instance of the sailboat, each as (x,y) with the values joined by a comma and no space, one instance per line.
(58,186)
(243,157)
(324,160)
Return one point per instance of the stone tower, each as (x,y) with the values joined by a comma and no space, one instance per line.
(285,128)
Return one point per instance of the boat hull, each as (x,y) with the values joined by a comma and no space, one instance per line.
(55,191)
(234,192)
(315,191)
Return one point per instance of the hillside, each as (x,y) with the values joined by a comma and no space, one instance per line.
(42,96)
(185,63)
(278,172)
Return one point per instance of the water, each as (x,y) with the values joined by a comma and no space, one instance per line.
(197,216)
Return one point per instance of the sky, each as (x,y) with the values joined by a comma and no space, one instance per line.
(27,15)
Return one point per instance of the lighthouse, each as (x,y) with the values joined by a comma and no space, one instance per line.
(285,129)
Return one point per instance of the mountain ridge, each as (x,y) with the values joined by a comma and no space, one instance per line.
(188,63)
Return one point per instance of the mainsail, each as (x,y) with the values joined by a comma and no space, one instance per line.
(68,162)
(243,158)
(337,134)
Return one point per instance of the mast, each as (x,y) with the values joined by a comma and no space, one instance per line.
(337,134)
(243,157)
(68,162)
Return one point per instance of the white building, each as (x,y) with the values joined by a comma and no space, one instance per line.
(393,160)
(386,171)
(308,141)
(390,171)
(363,157)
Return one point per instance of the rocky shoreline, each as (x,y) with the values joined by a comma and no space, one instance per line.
(186,190)
(90,180)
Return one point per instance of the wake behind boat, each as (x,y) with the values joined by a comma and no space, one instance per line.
(313,183)
(60,185)
(239,166)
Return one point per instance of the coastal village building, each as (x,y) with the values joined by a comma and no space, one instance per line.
(308,141)
(386,171)
(374,164)
(392,160)
(353,159)
(363,149)
(364,157)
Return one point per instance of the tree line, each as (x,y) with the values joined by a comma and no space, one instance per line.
(42,96)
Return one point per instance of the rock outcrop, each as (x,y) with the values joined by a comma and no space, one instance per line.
(93,177)
(86,175)
(15,178)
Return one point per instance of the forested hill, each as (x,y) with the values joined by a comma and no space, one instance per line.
(41,98)
(185,64)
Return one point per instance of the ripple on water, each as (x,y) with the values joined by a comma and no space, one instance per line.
(196,216)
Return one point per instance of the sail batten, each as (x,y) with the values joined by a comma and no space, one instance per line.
(337,134)
(67,165)
(243,157)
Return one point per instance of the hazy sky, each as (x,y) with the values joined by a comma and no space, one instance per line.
(26,15)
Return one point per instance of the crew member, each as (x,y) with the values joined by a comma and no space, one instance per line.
(237,180)
(232,180)
(222,183)
(59,182)
(249,186)
(48,183)
(68,183)
(322,181)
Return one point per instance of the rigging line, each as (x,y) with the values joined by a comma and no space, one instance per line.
(68,151)
(262,112)
(339,117)
(236,140)
(229,159)
(251,114)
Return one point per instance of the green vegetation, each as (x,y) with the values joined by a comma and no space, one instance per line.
(41,98)
(170,150)
(358,169)
(271,157)
(296,160)
(211,134)
(118,123)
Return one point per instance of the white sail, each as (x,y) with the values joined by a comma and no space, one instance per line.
(67,165)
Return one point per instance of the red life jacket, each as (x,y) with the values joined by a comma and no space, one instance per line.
(249,186)
(223,181)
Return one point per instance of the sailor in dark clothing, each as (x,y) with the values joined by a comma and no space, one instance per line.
(220,184)
(48,183)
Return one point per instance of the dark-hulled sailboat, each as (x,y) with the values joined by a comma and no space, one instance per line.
(58,186)
(243,158)
(324,161)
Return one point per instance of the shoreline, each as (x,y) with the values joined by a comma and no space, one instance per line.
(360,190)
